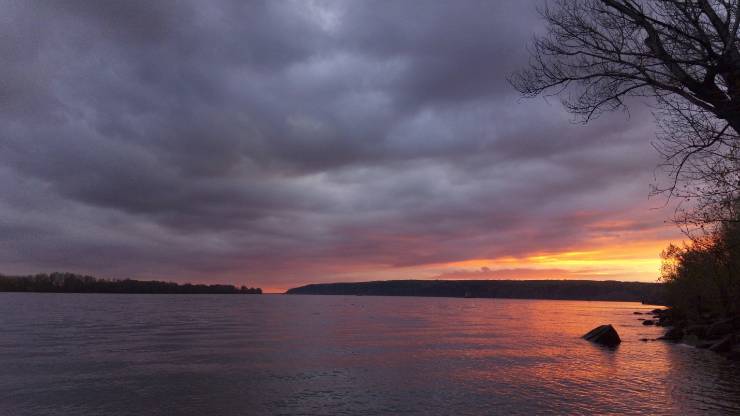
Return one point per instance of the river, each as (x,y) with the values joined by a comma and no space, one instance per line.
(102,354)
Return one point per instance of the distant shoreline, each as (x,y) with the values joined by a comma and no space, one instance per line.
(131,293)
(74,283)
(587,290)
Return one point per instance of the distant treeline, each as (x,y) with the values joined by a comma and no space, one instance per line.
(74,283)
(515,289)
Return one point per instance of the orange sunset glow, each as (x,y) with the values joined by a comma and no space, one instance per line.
(639,261)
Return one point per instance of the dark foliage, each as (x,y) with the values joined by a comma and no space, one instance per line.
(74,283)
(703,278)
(515,289)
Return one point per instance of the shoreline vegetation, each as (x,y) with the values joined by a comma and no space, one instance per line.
(709,331)
(649,293)
(702,282)
(75,283)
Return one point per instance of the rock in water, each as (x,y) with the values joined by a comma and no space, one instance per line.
(604,335)
(673,334)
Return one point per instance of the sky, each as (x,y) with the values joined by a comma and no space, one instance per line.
(280,143)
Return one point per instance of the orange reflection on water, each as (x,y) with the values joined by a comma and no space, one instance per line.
(524,347)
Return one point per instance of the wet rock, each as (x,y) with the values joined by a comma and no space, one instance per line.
(673,334)
(665,320)
(692,339)
(700,331)
(723,345)
(604,335)
(680,324)
(720,329)
(648,322)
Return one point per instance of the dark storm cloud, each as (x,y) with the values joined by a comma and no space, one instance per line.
(274,142)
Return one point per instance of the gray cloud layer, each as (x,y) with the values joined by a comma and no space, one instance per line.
(281,142)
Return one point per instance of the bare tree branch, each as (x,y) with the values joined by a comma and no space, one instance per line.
(681,54)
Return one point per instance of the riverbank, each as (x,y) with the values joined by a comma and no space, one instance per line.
(709,331)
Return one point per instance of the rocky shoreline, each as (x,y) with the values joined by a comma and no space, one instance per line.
(712,332)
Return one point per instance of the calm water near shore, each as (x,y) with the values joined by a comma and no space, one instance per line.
(75,354)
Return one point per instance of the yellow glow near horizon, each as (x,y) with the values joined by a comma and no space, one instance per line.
(623,258)
(628,261)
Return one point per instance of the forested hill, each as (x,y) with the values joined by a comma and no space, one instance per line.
(515,289)
(74,283)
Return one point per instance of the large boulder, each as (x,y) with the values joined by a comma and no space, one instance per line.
(699,330)
(604,335)
(673,334)
(665,320)
(693,340)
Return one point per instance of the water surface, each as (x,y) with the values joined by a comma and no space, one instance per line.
(84,354)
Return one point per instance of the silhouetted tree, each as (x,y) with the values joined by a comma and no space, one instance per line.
(704,276)
(683,55)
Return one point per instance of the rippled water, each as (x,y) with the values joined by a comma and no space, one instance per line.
(70,354)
